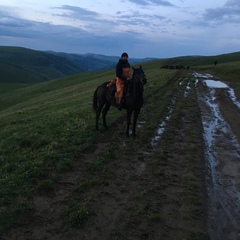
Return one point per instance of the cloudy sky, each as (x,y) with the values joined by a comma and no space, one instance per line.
(143,28)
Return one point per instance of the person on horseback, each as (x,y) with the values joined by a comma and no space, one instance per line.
(123,73)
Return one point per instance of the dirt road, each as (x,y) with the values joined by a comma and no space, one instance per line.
(179,179)
(221,122)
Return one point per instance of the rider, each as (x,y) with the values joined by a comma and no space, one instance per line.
(123,73)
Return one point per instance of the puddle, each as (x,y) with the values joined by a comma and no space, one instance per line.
(188,88)
(211,83)
(223,165)
(196,83)
(159,132)
(233,97)
(161,127)
(215,84)
(140,124)
(200,75)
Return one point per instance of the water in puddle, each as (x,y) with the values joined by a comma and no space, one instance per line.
(222,180)
(161,127)
(215,84)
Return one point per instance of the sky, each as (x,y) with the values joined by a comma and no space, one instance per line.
(142,28)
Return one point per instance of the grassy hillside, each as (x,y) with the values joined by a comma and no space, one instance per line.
(30,66)
(22,65)
(203,60)
(44,126)
(13,73)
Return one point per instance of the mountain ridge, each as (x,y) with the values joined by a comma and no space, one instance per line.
(24,65)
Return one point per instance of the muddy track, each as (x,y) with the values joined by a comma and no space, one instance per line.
(133,189)
(221,118)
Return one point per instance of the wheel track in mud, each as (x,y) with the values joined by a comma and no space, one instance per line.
(222,119)
(126,191)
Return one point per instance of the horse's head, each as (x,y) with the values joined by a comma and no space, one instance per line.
(139,75)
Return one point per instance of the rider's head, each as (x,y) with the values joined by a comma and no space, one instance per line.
(124,56)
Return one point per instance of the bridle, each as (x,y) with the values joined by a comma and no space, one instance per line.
(140,76)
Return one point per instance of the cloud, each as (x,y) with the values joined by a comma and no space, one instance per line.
(233,3)
(116,30)
(152,2)
(10,26)
(136,18)
(229,13)
(46,36)
(133,21)
(8,21)
(77,12)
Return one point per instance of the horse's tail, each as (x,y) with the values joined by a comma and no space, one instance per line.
(100,95)
(95,99)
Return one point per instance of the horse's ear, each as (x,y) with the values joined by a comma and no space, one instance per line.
(140,66)
(133,68)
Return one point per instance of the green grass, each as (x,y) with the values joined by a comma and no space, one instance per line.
(77,215)
(42,128)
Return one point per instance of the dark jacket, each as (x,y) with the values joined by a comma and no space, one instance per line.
(119,68)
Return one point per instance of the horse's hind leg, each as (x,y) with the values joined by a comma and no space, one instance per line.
(98,112)
(129,114)
(104,113)
(135,117)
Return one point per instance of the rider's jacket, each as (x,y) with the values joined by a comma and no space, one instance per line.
(123,70)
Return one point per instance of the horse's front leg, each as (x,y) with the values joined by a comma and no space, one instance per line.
(129,114)
(104,113)
(98,112)
(135,117)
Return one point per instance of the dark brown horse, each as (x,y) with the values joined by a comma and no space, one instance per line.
(102,99)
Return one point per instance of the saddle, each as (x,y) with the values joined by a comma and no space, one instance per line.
(112,88)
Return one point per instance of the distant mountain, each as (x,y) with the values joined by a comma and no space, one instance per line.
(203,60)
(29,66)
(25,65)
(89,62)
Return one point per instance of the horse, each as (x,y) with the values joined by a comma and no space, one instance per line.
(133,101)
